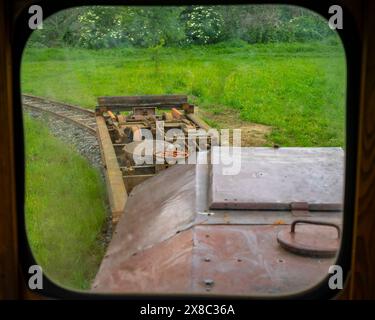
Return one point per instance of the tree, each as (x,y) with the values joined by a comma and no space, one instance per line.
(202,24)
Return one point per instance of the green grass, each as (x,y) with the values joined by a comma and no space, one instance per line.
(64,208)
(298,89)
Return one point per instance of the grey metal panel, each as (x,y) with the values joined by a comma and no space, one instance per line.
(272,179)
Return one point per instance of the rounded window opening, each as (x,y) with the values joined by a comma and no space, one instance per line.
(187,149)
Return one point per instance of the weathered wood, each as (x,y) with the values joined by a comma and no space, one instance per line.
(8,216)
(198,121)
(115,186)
(133,180)
(126,103)
(363,260)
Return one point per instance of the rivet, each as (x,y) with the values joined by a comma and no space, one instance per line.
(209,282)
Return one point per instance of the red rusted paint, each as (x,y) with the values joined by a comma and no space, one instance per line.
(176,113)
(313,241)
(163,244)
(165,267)
(214,259)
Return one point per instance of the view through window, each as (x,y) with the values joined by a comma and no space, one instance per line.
(190,149)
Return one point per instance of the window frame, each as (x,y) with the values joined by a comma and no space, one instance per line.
(352,46)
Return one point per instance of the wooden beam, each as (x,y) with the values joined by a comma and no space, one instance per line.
(127,103)
(115,186)
(141,100)
(9,285)
(363,258)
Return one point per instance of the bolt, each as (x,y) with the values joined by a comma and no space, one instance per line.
(207,259)
(209,282)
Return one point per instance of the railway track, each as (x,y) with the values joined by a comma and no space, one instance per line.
(71,124)
(78,116)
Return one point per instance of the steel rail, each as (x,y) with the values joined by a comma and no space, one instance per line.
(47,106)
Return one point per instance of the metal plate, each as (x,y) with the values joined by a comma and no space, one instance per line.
(312,240)
(156,210)
(165,267)
(214,259)
(272,179)
(166,242)
(248,260)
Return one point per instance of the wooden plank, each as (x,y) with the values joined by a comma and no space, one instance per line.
(9,271)
(116,189)
(198,121)
(126,103)
(363,259)
(133,180)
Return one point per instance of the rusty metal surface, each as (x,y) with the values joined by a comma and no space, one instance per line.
(262,217)
(155,212)
(29,97)
(129,131)
(81,117)
(320,239)
(246,259)
(274,178)
(165,267)
(215,259)
(169,241)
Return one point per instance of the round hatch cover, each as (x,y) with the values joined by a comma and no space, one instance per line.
(312,241)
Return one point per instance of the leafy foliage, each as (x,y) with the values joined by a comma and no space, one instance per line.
(107,27)
(203,25)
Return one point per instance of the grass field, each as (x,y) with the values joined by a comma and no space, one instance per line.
(64,208)
(294,93)
(297,89)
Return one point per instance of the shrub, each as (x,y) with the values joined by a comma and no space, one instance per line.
(203,25)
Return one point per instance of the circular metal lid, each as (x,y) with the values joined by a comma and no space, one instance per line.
(311,241)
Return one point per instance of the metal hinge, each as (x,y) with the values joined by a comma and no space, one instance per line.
(300,209)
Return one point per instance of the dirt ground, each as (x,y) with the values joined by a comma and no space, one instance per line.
(252,134)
